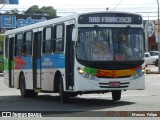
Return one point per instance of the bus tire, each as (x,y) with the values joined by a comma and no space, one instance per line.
(156,63)
(116,95)
(22,85)
(32,94)
(73,94)
(63,95)
(24,92)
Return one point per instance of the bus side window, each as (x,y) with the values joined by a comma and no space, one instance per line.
(18,44)
(59,38)
(47,40)
(28,43)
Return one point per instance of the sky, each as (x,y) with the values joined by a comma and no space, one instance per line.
(147,8)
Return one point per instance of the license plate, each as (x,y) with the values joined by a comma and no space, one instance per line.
(114,84)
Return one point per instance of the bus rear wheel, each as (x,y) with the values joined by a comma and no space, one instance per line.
(24,92)
(63,95)
(116,95)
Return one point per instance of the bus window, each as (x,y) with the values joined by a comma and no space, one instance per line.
(59,38)
(47,40)
(18,45)
(28,44)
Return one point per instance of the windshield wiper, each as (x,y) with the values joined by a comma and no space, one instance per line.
(106,38)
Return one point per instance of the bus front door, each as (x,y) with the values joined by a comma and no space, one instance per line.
(69,61)
(37,60)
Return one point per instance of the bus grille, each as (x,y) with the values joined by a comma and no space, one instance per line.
(112,77)
(106,85)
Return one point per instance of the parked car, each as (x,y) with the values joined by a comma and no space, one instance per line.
(151,58)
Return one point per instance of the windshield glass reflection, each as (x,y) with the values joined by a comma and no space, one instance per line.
(110,44)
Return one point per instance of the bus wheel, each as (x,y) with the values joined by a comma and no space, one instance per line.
(63,95)
(116,95)
(24,92)
(156,63)
(72,94)
(32,94)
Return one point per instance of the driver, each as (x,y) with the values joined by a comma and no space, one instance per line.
(123,46)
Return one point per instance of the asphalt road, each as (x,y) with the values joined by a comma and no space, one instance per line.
(88,105)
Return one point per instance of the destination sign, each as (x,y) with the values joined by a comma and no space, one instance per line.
(110,18)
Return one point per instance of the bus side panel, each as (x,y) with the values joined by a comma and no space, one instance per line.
(28,72)
(29,79)
(8,62)
(50,64)
(16,78)
(6,77)
(23,64)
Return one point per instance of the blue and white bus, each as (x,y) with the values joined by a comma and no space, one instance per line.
(77,54)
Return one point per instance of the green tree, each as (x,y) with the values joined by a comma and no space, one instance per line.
(48,11)
(35,10)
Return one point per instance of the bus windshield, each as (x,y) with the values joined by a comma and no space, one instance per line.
(110,44)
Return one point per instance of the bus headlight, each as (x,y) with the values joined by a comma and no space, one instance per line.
(144,70)
(80,71)
(85,74)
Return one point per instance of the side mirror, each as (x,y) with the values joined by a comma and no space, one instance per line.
(74,34)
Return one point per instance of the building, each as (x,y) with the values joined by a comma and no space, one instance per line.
(151,34)
(12,21)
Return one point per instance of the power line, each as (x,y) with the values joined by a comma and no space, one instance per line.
(118,4)
(2,6)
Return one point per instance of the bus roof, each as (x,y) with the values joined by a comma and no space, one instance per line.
(59,20)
